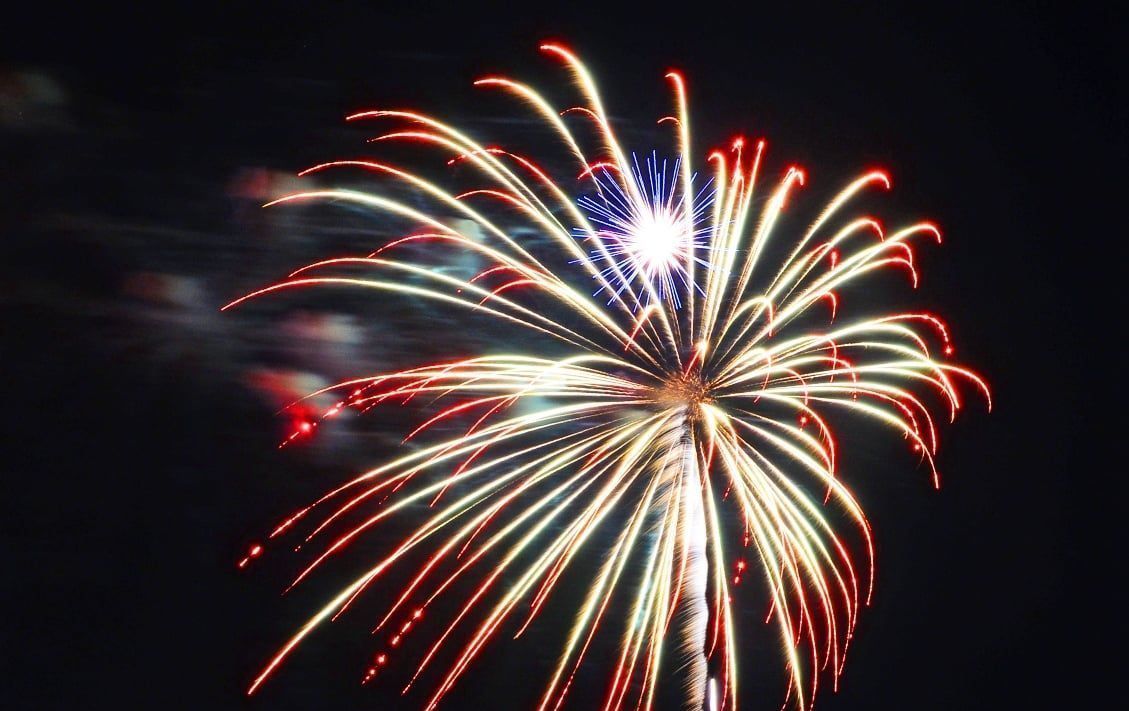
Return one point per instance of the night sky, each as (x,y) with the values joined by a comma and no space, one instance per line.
(138,467)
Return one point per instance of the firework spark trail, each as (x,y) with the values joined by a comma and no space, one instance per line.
(691,419)
(692,583)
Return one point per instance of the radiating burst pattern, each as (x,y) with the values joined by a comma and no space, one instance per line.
(685,430)
(647,240)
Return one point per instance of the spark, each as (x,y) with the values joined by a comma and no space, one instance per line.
(686,439)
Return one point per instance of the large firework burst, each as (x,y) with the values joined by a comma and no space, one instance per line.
(687,420)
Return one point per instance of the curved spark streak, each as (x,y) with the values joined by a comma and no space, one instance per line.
(690,420)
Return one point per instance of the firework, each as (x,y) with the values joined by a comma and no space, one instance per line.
(685,430)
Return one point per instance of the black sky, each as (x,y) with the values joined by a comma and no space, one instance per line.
(135,481)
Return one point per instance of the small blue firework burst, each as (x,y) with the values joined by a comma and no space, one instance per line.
(644,231)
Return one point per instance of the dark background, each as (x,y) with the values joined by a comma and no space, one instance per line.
(143,465)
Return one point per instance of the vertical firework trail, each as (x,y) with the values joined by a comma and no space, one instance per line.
(663,430)
(693,608)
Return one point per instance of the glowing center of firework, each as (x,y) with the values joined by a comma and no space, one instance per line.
(648,230)
(687,390)
(657,243)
